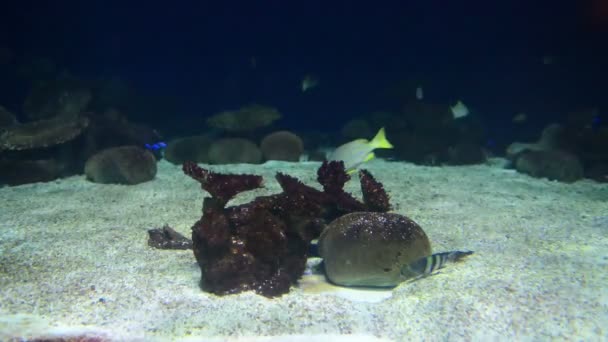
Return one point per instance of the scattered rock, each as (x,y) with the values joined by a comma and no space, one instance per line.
(17,172)
(247,118)
(466,154)
(549,140)
(112,129)
(43,133)
(234,151)
(282,145)
(554,165)
(122,165)
(194,148)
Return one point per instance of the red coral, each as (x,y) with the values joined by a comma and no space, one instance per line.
(263,245)
(332,176)
(222,187)
(374,196)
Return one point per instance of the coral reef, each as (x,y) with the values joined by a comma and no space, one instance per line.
(263,245)
(553,164)
(60,98)
(39,151)
(43,133)
(428,133)
(369,249)
(17,172)
(246,118)
(549,140)
(121,165)
(47,149)
(282,145)
(234,151)
(566,152)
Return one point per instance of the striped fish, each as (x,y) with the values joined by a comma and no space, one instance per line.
(425,266)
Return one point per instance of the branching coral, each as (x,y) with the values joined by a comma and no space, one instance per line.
(263,245)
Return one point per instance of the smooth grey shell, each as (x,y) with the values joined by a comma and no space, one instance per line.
(369,248)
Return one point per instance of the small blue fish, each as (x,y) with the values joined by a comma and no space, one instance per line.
(156,146)
(425,266)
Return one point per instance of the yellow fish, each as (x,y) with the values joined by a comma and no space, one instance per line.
(359,151)
(309,82)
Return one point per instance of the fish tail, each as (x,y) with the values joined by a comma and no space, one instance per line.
(427,265)
(380,141)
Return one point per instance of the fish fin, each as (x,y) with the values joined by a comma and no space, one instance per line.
(369,157)
(456,256)
(380,141)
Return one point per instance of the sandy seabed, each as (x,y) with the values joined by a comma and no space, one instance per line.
(74,260)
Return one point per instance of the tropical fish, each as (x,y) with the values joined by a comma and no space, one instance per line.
(425,266)
(359,151)
(309,81)
(156,146)
(519,118)
(419,93)
(459,110)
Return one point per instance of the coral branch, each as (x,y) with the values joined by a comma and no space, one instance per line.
(222,187)
(374,196)
(332,176)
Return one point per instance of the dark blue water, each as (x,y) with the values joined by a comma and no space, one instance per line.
(196,58)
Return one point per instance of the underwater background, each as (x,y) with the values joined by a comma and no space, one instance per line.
(373,171)
(190,60)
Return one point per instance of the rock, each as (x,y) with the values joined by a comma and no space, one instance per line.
(554,165)
(246,118)
(549,140)
(112,129)
(193,148)
(234,151)
(369,248)
(122,165)
(466,154)
(17,172)
(282,145)
(598,172)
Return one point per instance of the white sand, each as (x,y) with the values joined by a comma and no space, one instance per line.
(74,257)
